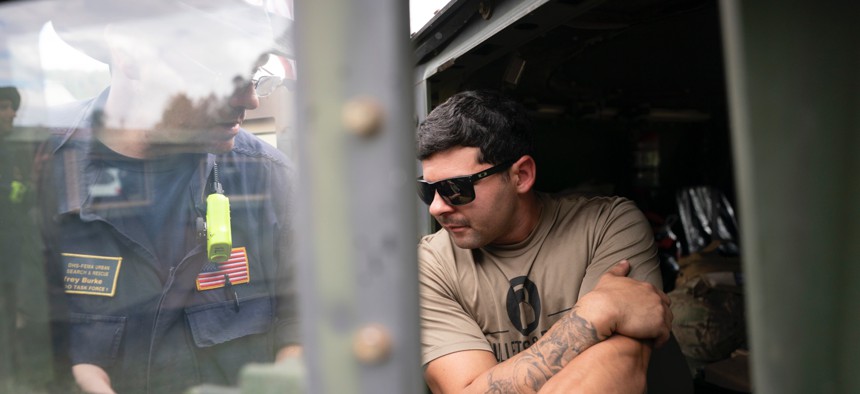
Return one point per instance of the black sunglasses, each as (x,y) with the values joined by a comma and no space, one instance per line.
(458,190)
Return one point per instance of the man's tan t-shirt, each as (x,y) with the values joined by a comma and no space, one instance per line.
(503,298)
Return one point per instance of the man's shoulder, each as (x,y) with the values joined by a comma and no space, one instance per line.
(69,124)
(437,239)
(249,145)
(439,250)
(435,243)
(577,214)
(579,204)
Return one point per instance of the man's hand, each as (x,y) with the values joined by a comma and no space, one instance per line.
(626,306)
(92,379)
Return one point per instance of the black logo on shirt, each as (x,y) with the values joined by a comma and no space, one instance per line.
(523,304)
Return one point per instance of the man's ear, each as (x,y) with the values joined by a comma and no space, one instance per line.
(524,173)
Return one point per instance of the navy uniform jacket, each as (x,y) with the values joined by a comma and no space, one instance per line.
(151,325)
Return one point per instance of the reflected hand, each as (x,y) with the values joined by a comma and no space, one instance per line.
(92,379)
(288,352)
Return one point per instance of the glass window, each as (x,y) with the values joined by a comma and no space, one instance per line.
(144,191)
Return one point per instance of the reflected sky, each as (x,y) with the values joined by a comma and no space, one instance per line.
(192,47)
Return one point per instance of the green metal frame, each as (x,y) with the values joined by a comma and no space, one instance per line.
(794,79)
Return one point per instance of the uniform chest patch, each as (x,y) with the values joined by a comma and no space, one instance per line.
(91,275)
(215,275)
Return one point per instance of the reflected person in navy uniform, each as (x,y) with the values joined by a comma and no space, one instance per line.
(25,362)
(13,216)
(138,304)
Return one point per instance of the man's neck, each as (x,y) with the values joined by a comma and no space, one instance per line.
(526,220)
(126,142)
(118,128)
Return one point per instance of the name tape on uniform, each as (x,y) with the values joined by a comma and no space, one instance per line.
(92,275)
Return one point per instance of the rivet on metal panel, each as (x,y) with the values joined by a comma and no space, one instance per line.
(362,116)
(372,344)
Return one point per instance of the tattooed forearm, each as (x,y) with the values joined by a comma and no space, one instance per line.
(566,339)
(500,386)
(569,337)
(526,378)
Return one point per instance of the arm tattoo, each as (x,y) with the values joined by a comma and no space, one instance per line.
(566,339)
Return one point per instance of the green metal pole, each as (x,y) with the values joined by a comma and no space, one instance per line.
(357,233)
(794,78)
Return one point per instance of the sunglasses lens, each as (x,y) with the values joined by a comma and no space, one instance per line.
(426,192)
(457,191)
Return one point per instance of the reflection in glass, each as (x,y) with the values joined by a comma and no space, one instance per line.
(126,297)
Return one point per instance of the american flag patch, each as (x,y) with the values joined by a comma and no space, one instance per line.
(236,268)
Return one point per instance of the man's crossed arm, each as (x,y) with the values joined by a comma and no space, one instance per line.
(621,316)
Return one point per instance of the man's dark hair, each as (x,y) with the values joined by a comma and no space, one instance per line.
(11,93)
(484,119)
